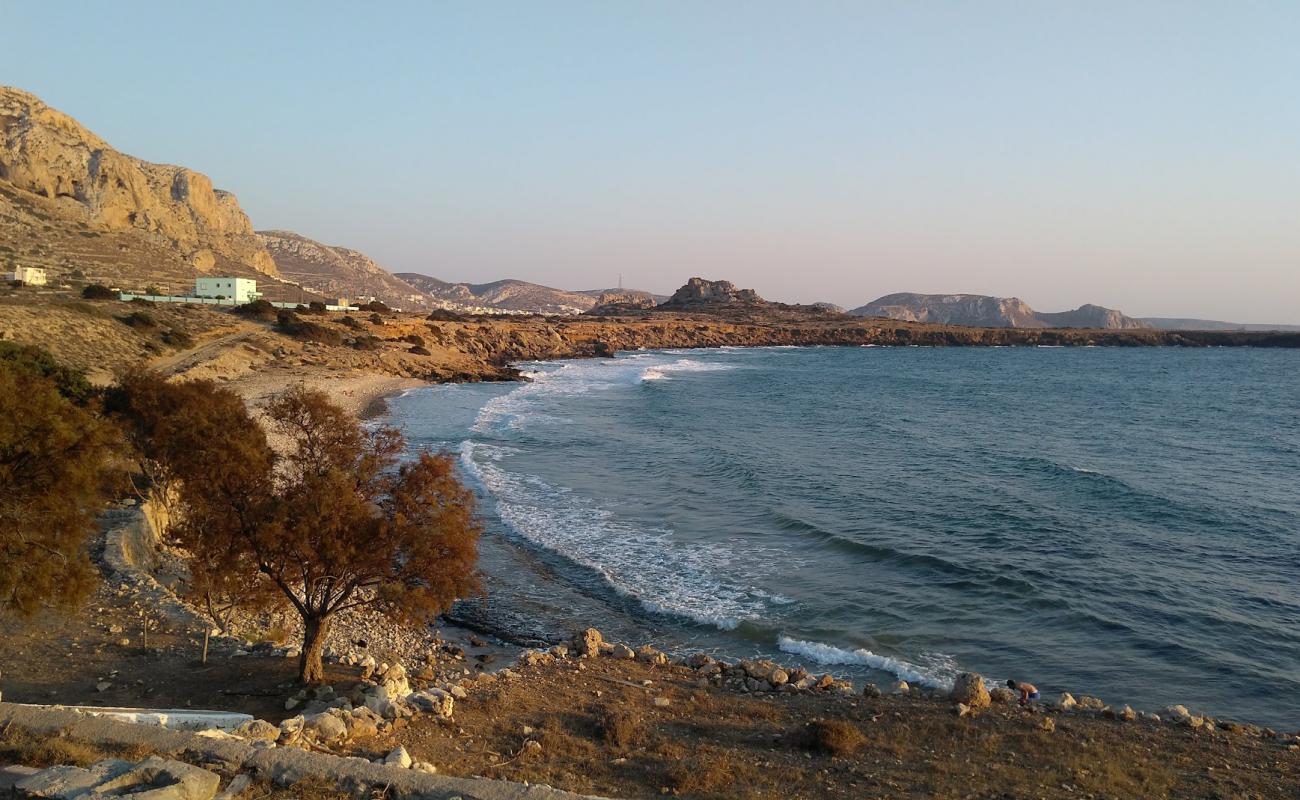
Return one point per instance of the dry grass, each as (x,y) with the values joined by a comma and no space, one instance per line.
(20,746)
(619,729)
(832,737)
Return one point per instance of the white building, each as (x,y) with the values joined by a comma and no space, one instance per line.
(30,276)
(241,290)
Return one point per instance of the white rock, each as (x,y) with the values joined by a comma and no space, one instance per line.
(398,758)
(900,687)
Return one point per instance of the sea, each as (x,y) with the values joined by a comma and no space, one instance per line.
(1117,522)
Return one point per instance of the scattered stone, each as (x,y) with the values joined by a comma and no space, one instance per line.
(870,690)
(708,670)
(238,785)
(1089,703)
(1066,702)
(1002,696)
(623,651)
(648,655)
(778,677)
(1048,725)
(1127,714)
(326,728)
(532,746)
(899,687)
(259,730)
(969,688)
(103,686)
(588,643)
(459,692)
(560,651)
(962,709)
(662,702)
(698,660)
(399,758)
(434,701)
(425,767)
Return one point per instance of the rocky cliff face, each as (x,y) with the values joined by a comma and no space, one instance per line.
(989,312)
(46,153)
(701,293)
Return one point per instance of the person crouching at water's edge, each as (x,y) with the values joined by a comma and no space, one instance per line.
(1028,691)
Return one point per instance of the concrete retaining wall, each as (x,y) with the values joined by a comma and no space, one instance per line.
(283,765)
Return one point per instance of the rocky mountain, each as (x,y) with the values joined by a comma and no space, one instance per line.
(506,295)
(989,312)
(60,183)
(1180,324)
(338,272)
(701,293)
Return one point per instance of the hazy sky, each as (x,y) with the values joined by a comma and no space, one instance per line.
(1140,155)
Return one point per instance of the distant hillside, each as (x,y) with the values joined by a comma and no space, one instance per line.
(1178,324)
(338,272)
(989,312)
(72,204)
(504,295)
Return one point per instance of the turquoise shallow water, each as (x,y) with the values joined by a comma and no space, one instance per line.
(1119,522)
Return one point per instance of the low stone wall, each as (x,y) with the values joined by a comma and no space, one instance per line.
(282,765)
(130,555)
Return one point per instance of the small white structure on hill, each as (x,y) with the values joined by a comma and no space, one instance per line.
(30,276)
(241,290)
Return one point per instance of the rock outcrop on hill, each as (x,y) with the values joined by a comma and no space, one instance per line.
(989,312)
(338,272)
(701,293)
(619,302)
(46,153)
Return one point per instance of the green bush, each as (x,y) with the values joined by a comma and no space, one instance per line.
(98,291)
(258,309)
(71,383)
(178,339)
(140,320)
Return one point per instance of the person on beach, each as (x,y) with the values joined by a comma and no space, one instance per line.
(1028,691)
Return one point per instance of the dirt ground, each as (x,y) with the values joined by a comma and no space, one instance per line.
(601,731)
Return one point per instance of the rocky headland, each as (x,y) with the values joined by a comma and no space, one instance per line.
(990,312)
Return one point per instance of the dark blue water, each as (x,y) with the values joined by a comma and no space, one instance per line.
(1124,523)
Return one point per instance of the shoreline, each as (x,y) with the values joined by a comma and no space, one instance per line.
(495,617)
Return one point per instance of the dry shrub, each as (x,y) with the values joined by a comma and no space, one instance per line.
(619,729)
(20,746)
(712,773)
(832,737)
(563,742)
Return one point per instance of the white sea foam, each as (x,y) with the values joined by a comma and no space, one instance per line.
(665,576)
(524,405)
(938,670)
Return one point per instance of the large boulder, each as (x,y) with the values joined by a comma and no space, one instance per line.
(395,681)
(969,688)
(326,728)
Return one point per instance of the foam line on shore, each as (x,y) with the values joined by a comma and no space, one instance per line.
(940,676)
